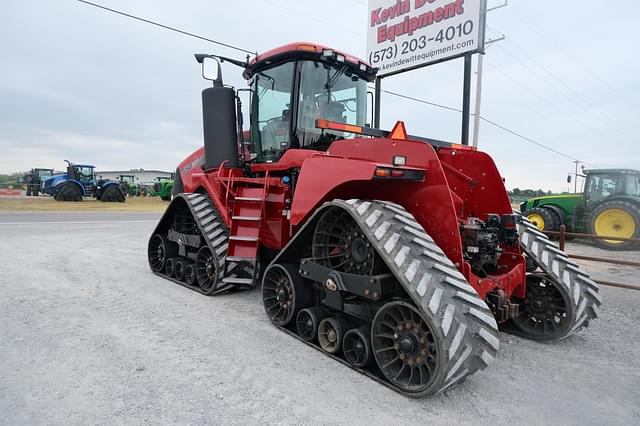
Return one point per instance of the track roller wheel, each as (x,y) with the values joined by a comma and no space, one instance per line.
(284,292)
(179,270)
(405,347)
(206,269)
(307,322)
(547,313)
(190,274)
(356,346)
(330,333)
(170,266)
(159,250)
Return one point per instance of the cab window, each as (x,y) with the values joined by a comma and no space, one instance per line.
(330,93)
(271,111)
(84,173)
(603,185)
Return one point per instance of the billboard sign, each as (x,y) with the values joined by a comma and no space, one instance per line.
(407,34)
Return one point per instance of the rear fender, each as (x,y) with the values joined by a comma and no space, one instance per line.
(109,185)
(351,175)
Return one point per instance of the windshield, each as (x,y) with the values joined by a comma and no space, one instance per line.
(327,92)
(330,93)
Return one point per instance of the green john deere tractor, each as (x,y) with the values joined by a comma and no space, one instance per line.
(608,206)
(128,185)
(163,187)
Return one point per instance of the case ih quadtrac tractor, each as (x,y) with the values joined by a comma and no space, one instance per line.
(396,255)
(80,181)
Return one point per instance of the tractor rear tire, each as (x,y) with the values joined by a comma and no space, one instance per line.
(544,219)
(113,194)
(615,218)
(68,192)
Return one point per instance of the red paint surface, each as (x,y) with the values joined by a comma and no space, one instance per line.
(459,183)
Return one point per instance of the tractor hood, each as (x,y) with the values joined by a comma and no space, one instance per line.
(53,181)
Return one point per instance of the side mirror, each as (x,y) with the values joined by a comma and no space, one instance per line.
(211,69)
(568,178)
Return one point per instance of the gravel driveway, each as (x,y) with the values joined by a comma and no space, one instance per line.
(89,336)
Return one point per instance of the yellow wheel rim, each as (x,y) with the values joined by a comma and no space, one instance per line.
(615,223)
(537,220)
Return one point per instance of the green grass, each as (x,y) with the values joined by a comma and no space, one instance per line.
(133,204)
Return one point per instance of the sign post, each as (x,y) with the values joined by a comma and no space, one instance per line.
(466,99)
(403,35)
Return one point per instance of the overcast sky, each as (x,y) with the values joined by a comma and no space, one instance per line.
(82,84)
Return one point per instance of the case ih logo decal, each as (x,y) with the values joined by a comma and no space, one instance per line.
(195,163)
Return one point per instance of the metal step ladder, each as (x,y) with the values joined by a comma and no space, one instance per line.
(241,266)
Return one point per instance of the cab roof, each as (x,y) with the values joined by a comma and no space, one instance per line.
(610,171)
(83,165)
(311,51)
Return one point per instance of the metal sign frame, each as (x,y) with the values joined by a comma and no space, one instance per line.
(466,92)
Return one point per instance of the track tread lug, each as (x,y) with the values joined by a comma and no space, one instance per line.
(583,292)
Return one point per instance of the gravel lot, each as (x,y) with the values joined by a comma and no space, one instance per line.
(89,336)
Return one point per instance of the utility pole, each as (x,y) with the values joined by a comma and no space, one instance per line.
(476,116)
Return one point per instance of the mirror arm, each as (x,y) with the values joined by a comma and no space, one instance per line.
(201,56)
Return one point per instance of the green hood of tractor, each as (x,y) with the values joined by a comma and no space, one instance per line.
(567,202)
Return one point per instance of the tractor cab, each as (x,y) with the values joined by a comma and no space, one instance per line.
(292,88)
(42,174)
(297,84)
(84,174)
(604,184)
(81,172)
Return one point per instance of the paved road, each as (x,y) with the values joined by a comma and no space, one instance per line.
(89,336)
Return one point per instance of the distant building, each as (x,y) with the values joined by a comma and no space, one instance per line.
(140,176)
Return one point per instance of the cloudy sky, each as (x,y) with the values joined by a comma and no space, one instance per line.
(81,84)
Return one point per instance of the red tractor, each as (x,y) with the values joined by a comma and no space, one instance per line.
(396,255)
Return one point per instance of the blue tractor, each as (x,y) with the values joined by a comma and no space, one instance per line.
(80,181)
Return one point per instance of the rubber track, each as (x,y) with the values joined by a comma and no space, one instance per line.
(212,229)
(467,330)
(113,198)
(584,292)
